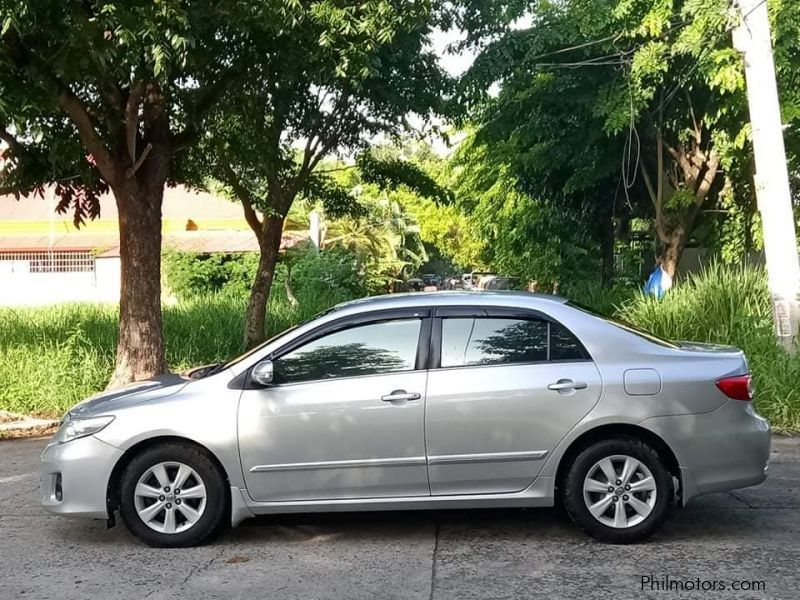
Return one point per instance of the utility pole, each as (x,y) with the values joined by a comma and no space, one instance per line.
(752,38)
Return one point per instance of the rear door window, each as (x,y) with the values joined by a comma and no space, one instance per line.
(496,341)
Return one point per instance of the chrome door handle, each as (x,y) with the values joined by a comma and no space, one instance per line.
(400,395)
(567,384)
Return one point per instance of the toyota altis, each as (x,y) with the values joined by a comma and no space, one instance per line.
(420,401)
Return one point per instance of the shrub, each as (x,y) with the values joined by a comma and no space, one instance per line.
(334,273)
(187,274)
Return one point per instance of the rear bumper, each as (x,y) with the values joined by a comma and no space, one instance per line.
(722,450)
(84,467)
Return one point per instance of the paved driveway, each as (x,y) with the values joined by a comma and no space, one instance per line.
(750,535)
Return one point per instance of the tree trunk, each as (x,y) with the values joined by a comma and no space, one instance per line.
(671,252)
(269,242)
(140,349)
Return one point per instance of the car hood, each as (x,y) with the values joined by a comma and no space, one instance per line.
(133,393)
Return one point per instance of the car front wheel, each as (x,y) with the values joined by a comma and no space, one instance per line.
(618,491)
(173,495)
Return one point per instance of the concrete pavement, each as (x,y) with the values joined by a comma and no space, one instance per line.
(748,536)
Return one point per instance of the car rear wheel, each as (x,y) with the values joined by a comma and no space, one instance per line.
(173,495)
(619,491)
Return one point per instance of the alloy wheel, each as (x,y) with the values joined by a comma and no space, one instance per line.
(619,491)
(170,497)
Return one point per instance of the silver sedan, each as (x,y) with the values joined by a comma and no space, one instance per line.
(420,401)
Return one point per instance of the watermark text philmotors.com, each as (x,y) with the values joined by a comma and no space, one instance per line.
(665,583)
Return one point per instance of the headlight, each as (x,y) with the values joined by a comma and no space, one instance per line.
(72,429)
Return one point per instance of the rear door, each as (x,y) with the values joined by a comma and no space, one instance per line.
(504,388)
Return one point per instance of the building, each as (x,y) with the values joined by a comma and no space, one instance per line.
(44,259)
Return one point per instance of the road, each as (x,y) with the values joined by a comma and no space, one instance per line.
(749,535)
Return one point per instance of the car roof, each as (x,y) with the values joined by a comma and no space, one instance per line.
(439,298)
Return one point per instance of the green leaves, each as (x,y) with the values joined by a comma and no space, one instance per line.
(394,172)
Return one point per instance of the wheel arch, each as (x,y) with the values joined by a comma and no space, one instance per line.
(612,430)
(113,488)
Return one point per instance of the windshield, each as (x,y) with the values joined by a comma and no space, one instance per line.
(650,337)
(275,337)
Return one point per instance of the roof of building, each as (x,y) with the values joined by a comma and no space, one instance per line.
(191,221)
(180,202)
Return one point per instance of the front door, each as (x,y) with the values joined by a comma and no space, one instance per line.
(503,393)
(344,418)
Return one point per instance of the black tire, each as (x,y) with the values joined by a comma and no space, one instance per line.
(215,515)
(573,496)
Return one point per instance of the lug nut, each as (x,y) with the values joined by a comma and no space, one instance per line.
(169,505)
(177,491)
(611,488)
(178,501)
(161,498)
(166,489)
(625,497)
(627,487)
(619,482)
(615,499)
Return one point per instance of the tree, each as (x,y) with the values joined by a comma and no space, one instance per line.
(337,75)
(384,236)
(97,95)
(640,96)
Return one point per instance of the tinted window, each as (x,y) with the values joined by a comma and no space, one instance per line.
(492,341)
(364,350)
(564,345)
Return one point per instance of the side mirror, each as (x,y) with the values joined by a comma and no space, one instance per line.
(262,372)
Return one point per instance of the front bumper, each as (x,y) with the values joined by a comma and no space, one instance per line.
(83,468)
(725,449)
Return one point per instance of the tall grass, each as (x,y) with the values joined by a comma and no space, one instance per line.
(728,305)
(52,357)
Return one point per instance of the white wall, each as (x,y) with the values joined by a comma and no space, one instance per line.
(19,287)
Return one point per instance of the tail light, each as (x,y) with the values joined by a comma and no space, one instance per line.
(738,387)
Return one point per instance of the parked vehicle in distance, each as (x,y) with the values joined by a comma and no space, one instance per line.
(419,401)
(500,283)
(473,280)
(415,284)
(430,279)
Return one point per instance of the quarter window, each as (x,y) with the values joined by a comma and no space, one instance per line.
(383,347)
(564,345)
(494,341)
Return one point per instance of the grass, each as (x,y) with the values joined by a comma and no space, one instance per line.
(52,357)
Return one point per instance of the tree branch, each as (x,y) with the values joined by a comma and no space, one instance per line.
(698,127)
(708,178)
(76,111)
(241,191)
(649,185)
(660,166)
(132,171)
(132,118)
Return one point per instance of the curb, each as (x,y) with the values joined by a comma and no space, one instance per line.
(13,422)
